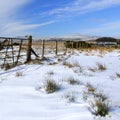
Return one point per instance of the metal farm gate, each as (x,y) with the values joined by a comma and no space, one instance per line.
(14,51)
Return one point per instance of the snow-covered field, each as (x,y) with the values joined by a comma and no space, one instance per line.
(22,95)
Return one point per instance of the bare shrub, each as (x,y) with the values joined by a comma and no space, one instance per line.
(70,97)
(99,107)
(101,67)
(90,88)
(93,69)
(97,101)
(72,81)
(53,63)
(85,95)
(50,85)
(67,64)
(113,77)
(100,95)
(118,75)
(18,74)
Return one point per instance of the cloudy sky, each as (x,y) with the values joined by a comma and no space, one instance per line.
(42,18)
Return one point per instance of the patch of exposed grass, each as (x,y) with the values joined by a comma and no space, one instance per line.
(70,97)
(93,69)
(118,75)
(18,74)
(90,88)
(72,81)
(99,108)
(101,67)
(65,63)
(97,101)
(50,85)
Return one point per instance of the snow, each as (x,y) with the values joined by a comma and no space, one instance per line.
(22,98)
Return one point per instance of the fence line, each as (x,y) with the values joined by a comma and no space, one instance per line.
(14,49)
(10,50)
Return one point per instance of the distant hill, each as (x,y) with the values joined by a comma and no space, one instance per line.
(79,37)
(106,39)
(76,37)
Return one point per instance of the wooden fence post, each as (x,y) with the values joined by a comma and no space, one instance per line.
(65,50)
(56,47)
(72,46)
(29,49)
(43,48)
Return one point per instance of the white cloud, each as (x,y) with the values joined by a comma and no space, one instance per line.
(8,10)
(9,26)
(17,28)
(107,29)
(8,7)
(83,6)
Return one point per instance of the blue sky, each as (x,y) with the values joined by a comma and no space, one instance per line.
(43,18)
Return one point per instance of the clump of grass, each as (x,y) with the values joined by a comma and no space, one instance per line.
(50,85)
(53,63)
(97,101)
(90,88)
(18,74)
(72,81)
(113,77)
(93,69)
(101,67)
(118,75)
(65,63)
(99,107)
(100,95)
(100,55)
(70,97)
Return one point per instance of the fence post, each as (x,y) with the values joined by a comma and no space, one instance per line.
(72,46)
(43,48)
(29,49)
(56,47)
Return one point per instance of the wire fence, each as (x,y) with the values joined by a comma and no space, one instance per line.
(15,51)
(12,51)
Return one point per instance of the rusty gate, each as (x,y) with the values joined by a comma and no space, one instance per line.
(14,51)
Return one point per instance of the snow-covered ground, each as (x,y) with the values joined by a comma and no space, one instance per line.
(23,98)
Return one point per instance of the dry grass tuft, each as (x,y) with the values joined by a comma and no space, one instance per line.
(72,81)
(118,75)
(97,101)
(101,67)
(50,85)
(93,69)
(18,74)
(90,88)
(67,64)
(99,108)
(70,97)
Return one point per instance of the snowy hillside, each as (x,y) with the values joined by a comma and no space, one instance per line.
(72,37)
(79,76)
